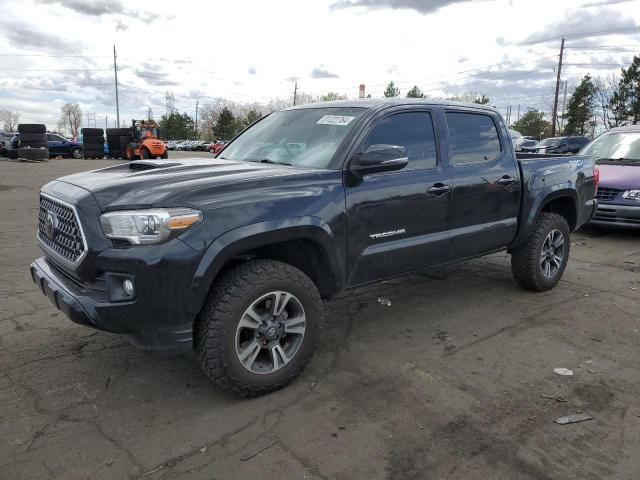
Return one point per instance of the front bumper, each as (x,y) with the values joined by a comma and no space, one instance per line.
(92,305)
(609,214)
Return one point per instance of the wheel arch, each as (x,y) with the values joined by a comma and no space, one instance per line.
(306,243)
(556,199)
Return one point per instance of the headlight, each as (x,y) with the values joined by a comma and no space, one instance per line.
(632,195)
(145,227)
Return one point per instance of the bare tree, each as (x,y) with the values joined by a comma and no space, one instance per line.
(10,119)
(71,116)
(605,88)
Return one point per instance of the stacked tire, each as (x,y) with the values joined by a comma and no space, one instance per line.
(118,139)
(33,142)
(93,142)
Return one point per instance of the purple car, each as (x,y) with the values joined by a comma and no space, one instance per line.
(617,155)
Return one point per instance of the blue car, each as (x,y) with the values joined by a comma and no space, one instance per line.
(57,145)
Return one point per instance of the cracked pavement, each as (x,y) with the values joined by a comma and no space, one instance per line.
(453,380)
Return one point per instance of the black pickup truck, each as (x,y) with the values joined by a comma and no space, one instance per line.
(231,256)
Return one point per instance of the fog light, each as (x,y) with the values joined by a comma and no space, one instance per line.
(127,288)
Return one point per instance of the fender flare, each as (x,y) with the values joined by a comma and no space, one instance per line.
(249,237)
(545,196)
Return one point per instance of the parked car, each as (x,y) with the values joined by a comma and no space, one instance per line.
(5,141)
(171,145)
(186,145)
(523,144)
(558,145)
(617,154)
(231,257)
(216,147)
(200,145)
(57,145)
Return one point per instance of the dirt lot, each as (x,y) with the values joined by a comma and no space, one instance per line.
(453,380)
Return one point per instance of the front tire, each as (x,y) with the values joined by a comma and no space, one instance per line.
(539,264)
(259,327)
(76,153)
(144,154)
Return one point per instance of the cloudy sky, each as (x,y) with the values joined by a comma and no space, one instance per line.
(57,51)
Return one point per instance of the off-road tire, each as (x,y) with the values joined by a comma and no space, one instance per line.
(144,154)
(76,153)
(117,132)
(525,260)
(165,155)
(28,138)
(32,128)
(230,296)
(35,154)
(33,144)
(92,132)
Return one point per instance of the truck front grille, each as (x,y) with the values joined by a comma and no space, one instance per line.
(607,194)
(59,231)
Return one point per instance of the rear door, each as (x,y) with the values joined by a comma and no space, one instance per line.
(54,143)
(486,183)
(397,220)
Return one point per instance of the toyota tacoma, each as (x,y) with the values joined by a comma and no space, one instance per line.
(231,257)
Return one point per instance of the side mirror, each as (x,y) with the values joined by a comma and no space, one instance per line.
(379,158)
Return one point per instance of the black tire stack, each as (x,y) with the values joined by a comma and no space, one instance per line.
(118,138)
(33,142)
(93,142)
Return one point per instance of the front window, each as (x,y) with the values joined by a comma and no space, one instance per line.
(617,147)
(304,138)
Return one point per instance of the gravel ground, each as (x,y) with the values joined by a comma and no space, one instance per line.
(453,380)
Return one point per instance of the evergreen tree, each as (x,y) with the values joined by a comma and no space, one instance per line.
(177,126)
(225,128)
(580,110)
(415,92)
(392,90)
(532,124)
(625,103)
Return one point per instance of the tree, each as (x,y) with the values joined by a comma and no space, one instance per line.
(625,103)
(332,96)
(415,92)
(71,117)
(176,126)
(605,88)
(225,128)
(470,97)
(9,119)
(532,124)
(481,100)
(580,109)
(391,90)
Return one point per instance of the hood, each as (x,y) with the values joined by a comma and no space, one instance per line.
(623,177)
(187,182)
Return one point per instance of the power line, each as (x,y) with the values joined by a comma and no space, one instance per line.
(51,56)
(54,70)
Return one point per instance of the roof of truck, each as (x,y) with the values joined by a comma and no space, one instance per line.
(379,102)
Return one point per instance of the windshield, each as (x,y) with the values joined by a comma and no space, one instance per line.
(306,137)
(549,142)
(615,146)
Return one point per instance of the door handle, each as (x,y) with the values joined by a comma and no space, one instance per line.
(506,180)
(438,189)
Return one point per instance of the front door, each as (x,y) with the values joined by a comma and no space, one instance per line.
(397,220)
(54,143)
(486,184)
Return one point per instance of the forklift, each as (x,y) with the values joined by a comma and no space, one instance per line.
(144,141)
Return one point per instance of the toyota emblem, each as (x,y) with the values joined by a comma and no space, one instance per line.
(50,225)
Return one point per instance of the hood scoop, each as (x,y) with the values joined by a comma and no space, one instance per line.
(140,165)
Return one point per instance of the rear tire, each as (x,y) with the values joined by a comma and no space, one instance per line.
(539,263)
(165,155)
(32,128)
(224,331)
(144,153)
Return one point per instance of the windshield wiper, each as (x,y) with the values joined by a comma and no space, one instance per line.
(273,162)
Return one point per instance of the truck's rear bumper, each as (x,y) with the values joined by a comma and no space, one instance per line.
(610,215)
(90,306)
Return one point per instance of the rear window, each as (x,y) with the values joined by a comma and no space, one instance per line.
(474,138)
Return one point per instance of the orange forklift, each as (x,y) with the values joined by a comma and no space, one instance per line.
(144,141)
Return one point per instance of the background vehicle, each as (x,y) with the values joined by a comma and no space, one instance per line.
(216,147)
(57,145)
(232,255)
(523,144)
(185,145)
(558,145)
(5,141)
(617,154)
(145,142)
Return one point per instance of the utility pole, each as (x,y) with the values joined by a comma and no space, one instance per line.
(508,115)
(554,115)
(564,102)
(196,124)
(295,93)
(115,74)
(518,113)
(149,116)
(106,122)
